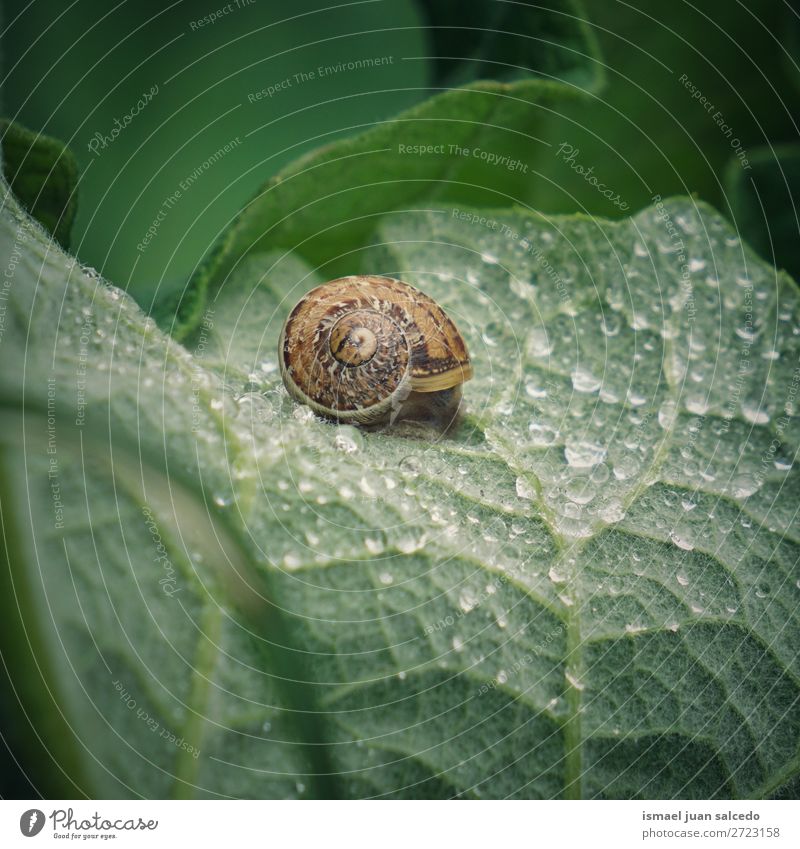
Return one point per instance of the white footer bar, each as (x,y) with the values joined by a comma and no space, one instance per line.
(400,825)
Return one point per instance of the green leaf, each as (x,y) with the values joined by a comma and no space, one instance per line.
(764,201)
(467,144)
(681,100)
(509,41)
(590,589)
(790,37)
(43,174)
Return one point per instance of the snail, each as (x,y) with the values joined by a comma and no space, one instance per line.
(373,350)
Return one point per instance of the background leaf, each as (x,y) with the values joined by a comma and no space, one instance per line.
(764,203)
(43,174)
(468,144)
(509,41)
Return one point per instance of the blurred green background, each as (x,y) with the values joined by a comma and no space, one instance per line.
(70,70)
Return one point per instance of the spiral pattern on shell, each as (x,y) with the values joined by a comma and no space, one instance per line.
(354,346)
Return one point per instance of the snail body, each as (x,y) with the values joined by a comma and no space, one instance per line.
(370,350)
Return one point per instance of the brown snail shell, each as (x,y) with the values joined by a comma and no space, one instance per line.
(370,350)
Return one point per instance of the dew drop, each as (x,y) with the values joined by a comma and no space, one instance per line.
(681,542)
(762,591)
(410,466)
(574,681)
(667,414)
(584,455)
(584,381)
(697,405)
(254,407)
(467,602)
(303,415)
(534,390)
(611,325)
(524,489)
(539,344)
(626,467)
(408,544)
(612,511)
(753,413)
(635,399)
(347,440)
(542,435)
(291,560)
(580,491)
(373,545)
(744,486)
